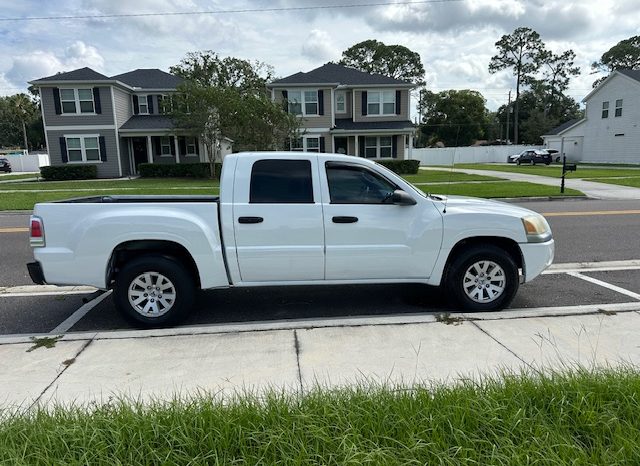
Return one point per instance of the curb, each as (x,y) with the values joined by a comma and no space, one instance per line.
(544,198)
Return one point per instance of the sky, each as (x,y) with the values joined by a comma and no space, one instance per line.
(455,38)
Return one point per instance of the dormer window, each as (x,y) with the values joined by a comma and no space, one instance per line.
(77,101)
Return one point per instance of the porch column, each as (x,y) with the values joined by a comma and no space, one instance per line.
(356,145)
(149,150)
(176,146)
(410,147)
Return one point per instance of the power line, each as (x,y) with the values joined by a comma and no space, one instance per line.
(217,12)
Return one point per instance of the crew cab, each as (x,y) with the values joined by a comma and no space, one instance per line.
(286,218)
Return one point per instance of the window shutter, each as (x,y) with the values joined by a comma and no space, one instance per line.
(285,101)
(160,104)
(96,100)
(63,150)
(136,108)
(321,103)
(155,142)
(361,146)
(394,147)
(364,103)
(182,145)
(150,104)
(322,144)
(103,149)
(56,101)
(398,100)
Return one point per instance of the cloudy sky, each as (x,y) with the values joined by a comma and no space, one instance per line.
(455,38)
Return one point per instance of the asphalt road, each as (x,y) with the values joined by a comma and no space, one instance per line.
(585,231)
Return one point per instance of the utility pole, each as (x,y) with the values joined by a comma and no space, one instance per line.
(508,113)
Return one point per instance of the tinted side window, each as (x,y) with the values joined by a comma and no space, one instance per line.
(281,182)
(355,185)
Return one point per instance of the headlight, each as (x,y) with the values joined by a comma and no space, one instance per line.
(536,228)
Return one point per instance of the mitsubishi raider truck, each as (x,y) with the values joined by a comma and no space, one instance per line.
(282,219)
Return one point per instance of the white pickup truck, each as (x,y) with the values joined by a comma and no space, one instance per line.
(286,218)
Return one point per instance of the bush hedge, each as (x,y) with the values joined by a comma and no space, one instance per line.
(181,170)
(401,167)
(69,172)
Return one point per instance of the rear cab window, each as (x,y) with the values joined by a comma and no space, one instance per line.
(277,181)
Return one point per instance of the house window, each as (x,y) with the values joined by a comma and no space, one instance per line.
(341,102)
(619,107)
(165,146)
(378,147)
(143,107)
(605,109)
(82,149)
(381,103)
(73,99)
(306,144)
(191,146)
(303,102)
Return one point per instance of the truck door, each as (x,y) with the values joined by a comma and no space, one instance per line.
(367,237)
(277,214)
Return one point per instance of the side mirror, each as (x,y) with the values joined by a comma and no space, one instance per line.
(399,197)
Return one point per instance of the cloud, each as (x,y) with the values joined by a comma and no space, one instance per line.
(318,46)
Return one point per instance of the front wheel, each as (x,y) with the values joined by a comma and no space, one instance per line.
(482,278)
(154,291)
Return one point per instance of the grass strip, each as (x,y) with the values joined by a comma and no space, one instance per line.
(98,184)
(18,176)
(581,417)
(500,189)
(633,182)
(554,170)
(444,176)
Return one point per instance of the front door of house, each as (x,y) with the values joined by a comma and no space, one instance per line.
(342,146)
(139,152)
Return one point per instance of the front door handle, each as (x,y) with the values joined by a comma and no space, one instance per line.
(250,220)
(345,219)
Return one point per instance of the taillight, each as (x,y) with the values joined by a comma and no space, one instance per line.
(36,232)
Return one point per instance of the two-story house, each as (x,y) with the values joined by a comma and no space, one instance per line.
(113,122)
(347,111)
(610,129)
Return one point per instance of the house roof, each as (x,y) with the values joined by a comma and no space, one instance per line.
(564,126)
(148,122)
(82,74)
(149,78)
(633,74)
(332,73)
(349,125)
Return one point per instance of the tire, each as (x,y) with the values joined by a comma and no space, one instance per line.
(557,159)
(464,269)
(153,309)
(532,162)
(518,161)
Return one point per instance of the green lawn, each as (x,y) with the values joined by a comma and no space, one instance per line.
(580,418)
(634,182)
(21,176)
(554,170)
(441,176)
(138,183)
(499,189)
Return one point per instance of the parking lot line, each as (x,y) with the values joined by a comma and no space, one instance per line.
(603,266)
(615,288)
(79,314)
(14,230)
(43,290)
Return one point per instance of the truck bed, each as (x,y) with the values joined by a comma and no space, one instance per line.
(124,199)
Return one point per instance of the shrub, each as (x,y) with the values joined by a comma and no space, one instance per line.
(401,167)
(69,172)
(180,170)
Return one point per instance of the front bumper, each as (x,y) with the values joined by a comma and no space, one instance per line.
(35,272)
(536,257)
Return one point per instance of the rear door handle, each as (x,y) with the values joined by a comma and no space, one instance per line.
(344,219)
(250,220)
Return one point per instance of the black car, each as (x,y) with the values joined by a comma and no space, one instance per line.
(534,156)
(5,166)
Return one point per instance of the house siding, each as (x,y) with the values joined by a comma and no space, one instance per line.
(123,106)
(404,108)
(108,169)
(51,119)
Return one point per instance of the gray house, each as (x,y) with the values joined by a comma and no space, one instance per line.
(113,122)
(348,111)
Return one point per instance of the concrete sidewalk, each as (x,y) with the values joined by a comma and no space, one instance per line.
(297,355)
(590,188)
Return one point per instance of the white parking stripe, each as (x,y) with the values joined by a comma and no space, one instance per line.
(604,266)
(43,290)
(606,285)
(79,314)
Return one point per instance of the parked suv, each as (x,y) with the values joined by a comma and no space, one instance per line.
(534,156)
(5,166)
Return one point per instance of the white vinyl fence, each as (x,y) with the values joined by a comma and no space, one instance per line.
(475,154)
(28,163)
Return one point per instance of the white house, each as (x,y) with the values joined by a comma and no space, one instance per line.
(609,131)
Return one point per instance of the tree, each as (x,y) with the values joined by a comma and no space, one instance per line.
(20,120)
(624,55)
(395,61)
(521,51)
(456,118)
(206,68)
(557,72)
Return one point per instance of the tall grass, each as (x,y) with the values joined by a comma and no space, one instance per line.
(581,417)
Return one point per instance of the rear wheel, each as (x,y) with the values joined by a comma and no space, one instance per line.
(532,162)
(154,291)
(482,278)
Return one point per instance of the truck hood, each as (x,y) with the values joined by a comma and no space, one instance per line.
(461,204)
